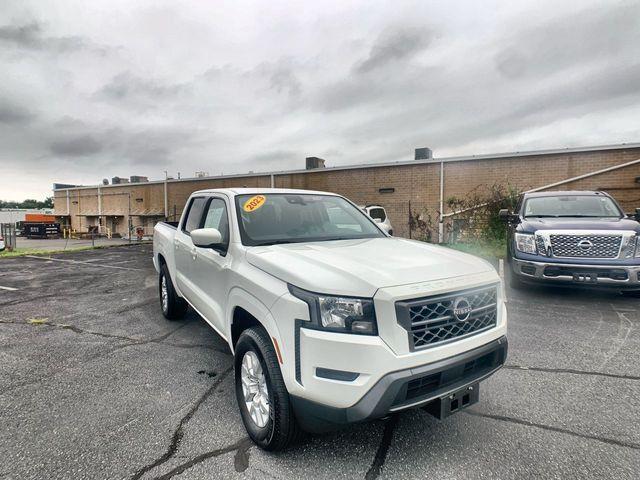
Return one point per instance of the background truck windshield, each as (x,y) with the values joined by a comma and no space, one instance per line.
(571,206)
(289,218)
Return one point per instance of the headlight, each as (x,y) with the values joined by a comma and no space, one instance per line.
(526,243)
(339,314)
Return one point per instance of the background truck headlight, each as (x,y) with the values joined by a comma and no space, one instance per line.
(339,314)
(526,243)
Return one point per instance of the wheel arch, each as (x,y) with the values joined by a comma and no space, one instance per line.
(246,311)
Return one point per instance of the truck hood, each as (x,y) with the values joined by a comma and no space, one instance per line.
(531,225)
(360,267)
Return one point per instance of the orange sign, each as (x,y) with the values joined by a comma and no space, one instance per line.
(254,203)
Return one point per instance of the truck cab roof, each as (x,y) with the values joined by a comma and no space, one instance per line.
(564,193)
(248,191)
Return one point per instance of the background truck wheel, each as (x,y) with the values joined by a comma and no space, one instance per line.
(173,307)
(263,399)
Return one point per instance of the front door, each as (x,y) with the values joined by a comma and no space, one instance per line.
(210,270)
(185,253)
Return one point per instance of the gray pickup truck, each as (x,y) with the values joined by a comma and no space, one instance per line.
(574,237)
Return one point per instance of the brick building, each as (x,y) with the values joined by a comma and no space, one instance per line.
(424,184)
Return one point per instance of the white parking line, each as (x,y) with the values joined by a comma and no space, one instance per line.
(49,259)
(11,289)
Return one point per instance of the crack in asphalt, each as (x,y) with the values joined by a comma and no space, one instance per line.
(243,445)
(526,423)
(133,342)
(39,298)
(383,449)
(178,433)
(572,371)
(133,306)
(80,331)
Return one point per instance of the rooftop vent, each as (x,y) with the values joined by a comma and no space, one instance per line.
(424,153)
(138,179)
(58,186)
(314,162)
(119,180)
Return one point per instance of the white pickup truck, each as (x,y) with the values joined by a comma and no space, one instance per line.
(330,320)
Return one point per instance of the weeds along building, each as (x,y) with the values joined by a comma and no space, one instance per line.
(421,187)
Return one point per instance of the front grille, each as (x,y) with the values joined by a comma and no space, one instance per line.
(434,320)
(585,246)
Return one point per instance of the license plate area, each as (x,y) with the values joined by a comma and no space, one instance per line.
(447,405)
(585,277)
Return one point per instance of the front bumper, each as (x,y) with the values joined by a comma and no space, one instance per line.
(412,387)
(621,276)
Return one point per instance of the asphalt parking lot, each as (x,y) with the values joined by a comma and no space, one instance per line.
(95,383)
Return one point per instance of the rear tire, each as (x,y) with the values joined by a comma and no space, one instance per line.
(173,307)
(275,427)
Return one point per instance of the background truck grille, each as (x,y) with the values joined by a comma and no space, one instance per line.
(586,246)
(434,320)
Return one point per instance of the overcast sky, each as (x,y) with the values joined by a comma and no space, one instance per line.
(93,89)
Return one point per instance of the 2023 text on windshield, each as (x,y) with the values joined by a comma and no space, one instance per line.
(269,219)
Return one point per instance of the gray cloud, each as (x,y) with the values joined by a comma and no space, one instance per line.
(587,36)
(368,84)
(31,36)
(394,45)
(77,146)
(127,87)
(283,79)
(14,115)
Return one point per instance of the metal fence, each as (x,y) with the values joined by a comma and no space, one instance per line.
(8,232)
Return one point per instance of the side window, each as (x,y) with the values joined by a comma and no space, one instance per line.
(377,213)
(194,214)
(217,218)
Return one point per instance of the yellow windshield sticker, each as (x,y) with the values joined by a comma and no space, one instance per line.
(254,203)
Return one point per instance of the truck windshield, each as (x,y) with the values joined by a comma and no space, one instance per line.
(270,219)
(572,206)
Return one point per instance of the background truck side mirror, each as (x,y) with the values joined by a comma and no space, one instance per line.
(507,216)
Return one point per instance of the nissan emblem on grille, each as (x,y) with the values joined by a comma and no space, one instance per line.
(448,317)
(585,244)
(461,309)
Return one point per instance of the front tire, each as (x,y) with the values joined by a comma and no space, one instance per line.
(262,396)
(173,307)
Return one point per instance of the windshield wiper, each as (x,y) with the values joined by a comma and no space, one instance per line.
(585,216)
(275,242)
(541,216)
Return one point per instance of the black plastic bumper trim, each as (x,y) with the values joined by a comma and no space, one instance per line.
(336,374)
(382,398)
